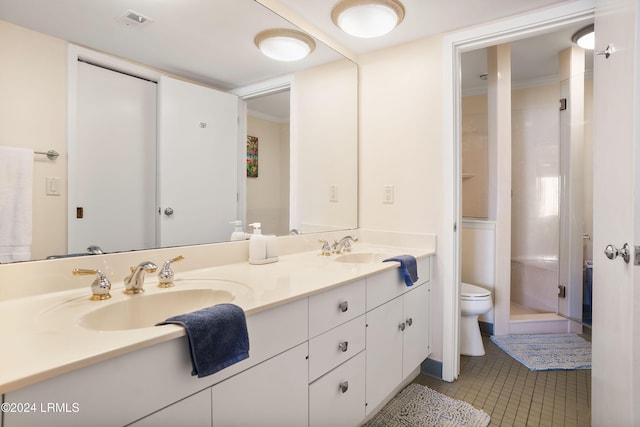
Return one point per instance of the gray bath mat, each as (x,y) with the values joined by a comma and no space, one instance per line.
(542,352)
(419,406)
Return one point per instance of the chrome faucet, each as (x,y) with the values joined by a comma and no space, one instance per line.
(100,287)
(134,282)
(344,244)
(95,250)
(165,276)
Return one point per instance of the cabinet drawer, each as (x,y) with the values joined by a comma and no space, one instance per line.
(336,306)
(389,284)
(338,398)
(330,349)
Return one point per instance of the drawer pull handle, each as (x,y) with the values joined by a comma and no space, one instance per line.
(343,346)
(402,326)
(409,321)
(344,386)
(343,306)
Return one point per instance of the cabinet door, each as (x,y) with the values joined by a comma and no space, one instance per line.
(337,399)
(384,351)
(193,411)
(416,333)
(273,393)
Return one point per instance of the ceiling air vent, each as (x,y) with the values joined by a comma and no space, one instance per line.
(131,18)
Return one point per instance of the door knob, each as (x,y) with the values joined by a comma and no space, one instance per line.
(168,211)
(612,252)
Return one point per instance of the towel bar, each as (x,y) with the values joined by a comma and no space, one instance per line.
(51,154)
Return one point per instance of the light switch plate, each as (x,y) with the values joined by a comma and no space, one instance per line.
(53,186)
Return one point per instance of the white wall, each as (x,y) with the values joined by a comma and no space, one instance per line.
(401,145)
(267,194)
(33,105)
(475,157)
(324,130)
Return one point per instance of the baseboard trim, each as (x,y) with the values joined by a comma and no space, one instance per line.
(432,368)
(486,328)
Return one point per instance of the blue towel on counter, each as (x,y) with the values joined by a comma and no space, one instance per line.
(218,337)
(408,268)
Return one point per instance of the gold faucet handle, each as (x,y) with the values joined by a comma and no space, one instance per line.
(176,259)
(100,287)
(84,272)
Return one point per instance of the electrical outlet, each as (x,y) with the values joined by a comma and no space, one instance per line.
(387,195)
(333,193)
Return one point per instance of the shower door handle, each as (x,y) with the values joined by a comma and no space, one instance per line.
(612,252)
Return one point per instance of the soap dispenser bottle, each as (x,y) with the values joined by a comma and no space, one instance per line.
(238,232)
(257,245)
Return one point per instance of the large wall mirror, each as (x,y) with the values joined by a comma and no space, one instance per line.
(303,113)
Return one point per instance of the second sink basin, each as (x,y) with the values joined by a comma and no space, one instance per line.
(363,257)
(143,311)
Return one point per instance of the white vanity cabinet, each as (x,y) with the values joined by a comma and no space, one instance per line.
(397,331)
(271,394)
(193,411)
(329,359)
(127,388)
(337,356)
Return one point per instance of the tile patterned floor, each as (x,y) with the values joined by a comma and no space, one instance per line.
(515,396)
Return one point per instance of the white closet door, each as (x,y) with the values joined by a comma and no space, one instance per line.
(198,163)
(112,164)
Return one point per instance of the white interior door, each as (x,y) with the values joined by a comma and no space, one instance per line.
(616,340)
(198,166)
(112,167)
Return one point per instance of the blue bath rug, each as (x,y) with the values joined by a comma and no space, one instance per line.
(544,352)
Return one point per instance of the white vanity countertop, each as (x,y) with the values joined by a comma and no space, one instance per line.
(42,337)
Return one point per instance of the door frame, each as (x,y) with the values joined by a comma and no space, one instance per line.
(256,90)
(454,44)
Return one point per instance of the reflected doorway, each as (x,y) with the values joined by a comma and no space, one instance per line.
(268,165)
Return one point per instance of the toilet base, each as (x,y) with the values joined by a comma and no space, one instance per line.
(470,337)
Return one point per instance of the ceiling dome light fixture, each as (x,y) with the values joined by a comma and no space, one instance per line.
(284,44)
(585,37)
(367,18)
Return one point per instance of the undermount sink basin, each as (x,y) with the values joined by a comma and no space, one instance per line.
(143,311)
(363,257)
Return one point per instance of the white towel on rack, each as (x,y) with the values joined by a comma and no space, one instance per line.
(16,192)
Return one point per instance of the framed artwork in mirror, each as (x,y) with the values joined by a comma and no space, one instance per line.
(252,156)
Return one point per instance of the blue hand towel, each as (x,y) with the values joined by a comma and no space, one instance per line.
(218,337)
(408,268)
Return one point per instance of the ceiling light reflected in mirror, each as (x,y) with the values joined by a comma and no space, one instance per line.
(367,18)
(284,44)
(585,37)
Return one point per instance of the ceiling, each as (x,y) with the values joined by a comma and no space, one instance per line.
(211,41)
(422,18)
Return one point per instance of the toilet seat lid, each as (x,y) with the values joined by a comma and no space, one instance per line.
(472,291)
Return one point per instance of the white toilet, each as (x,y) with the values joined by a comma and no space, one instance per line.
(474,301)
